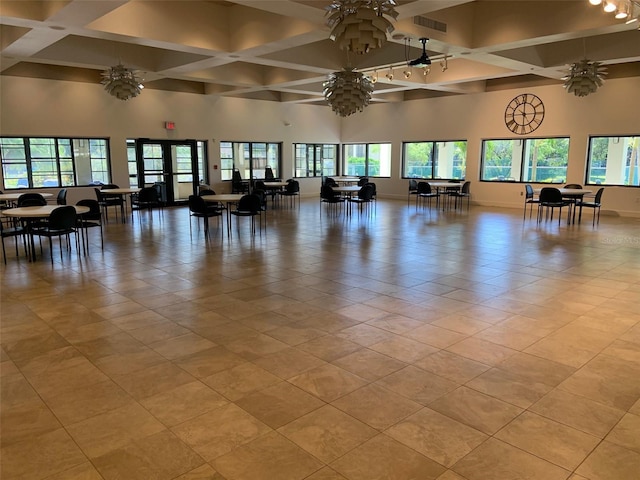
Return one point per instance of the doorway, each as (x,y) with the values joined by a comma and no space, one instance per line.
(176,167)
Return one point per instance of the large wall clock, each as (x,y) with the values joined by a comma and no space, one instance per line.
(524,114)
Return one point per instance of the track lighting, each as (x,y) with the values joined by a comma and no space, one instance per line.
(444,64)
(374,77)
(407,74)
(389,74)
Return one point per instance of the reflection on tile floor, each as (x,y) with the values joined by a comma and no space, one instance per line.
(401,345)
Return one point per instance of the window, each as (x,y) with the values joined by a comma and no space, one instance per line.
(539,160)
(35,162)
(367,160)
(315,160)
(249,158)
(434,159)
(614,161)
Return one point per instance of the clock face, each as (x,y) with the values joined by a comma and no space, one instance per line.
(524,114)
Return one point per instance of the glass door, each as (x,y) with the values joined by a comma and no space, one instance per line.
(176,167)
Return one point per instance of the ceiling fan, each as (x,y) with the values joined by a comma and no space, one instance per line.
(424,59)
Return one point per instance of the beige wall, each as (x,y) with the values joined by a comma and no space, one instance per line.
(40,108)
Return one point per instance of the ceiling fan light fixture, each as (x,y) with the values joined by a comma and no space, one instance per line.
(347,91)
(121,82)
(360,25)
(423,60)
(584,77)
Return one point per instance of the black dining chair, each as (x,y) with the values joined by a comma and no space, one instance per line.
(550,199)
(198,208)
(529,199)
(291,191)
(11,229)
(147,199)
(238,185)
(464,192)
(249,206)
(31,200)
(413,190)
(595,205)
(364,197)
(426,193)
(106,201)
(330,198)
(62,222)
(90,219)
(61,199)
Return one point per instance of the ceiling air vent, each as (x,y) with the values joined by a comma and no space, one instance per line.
(430,23)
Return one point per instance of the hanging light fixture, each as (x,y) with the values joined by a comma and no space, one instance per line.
(347,91)
(121,82)
(584,77)
(360,25)
(624,10)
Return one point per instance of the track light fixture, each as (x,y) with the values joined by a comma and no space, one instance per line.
(622,9)
(389,74)
(444,64)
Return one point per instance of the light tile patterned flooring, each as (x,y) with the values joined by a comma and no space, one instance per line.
(403,345)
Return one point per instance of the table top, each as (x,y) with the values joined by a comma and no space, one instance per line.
(120,190)
(223,197)
(345,179)
(568,192)
(347,188)
(38,212)
(15,196)
(457,185)
(276,184)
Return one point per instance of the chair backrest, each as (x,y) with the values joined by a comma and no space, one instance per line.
(573,185)
(363,181)
(528,190)
(63,218)
(330,182)
(268,173)
(62,197)
(293,186)
(108,186)
(373,186)
(99,194)
(148,194)
(466,187)
(327,192)
(250,203)
(550,195)
(197,204)
(599,193)
(259,185)
(206,191)
(366,192)
(31,200)
(236,177)
(262,195)
(424,187)
(94,209)
(413,185)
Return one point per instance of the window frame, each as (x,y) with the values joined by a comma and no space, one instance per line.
(367,157)
(249,157)
(64,160)
(523,166)
(318,164)
(434,159)
(634,150)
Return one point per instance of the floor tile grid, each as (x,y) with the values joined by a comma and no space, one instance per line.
(383,339)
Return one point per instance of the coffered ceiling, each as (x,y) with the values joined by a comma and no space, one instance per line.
(279,50)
